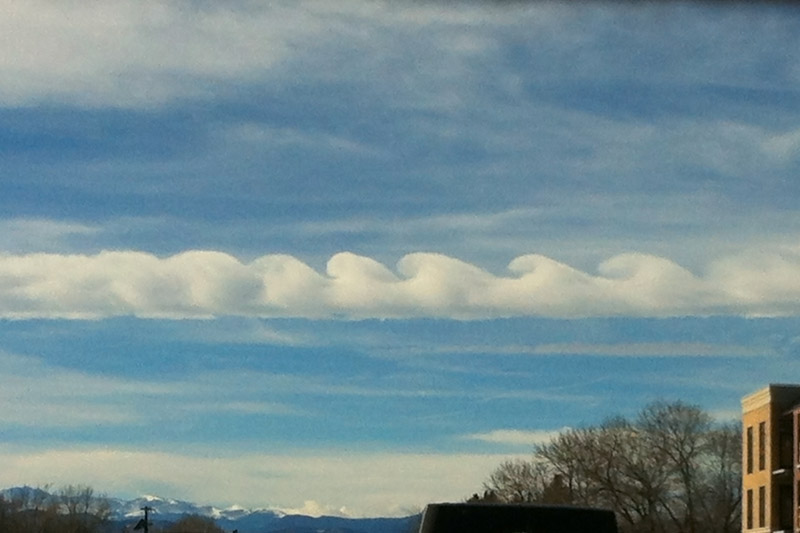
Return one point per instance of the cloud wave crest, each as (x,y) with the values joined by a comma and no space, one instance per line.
(204,284)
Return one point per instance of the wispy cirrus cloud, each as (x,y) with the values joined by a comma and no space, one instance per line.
(44,396)
(628,349)
(652,349)
(784,145)
(198,284)
(39,395)
(20,234)
(516,437)
(123,53)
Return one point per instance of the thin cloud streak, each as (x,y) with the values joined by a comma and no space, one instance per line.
(516,437)
(47,397)
(653,349)
(22,234)
(634,349)
(42,396)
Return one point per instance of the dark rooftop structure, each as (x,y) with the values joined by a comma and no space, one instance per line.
(515,518)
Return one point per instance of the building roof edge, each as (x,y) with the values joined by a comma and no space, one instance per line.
(774,392)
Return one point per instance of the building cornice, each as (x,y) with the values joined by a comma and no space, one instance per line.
(757,399)
(770,394)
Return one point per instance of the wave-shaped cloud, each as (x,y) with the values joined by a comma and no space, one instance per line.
(203,284)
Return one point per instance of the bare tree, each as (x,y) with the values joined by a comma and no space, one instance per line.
(670,470)
(81,510)
(36,510)
(677,432)
(73,509)
(569,459)
(721,499)
(518,481)
(9,514)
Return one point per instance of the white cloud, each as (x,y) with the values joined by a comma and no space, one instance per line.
(202,284)
(242,407)
(313,508)
(516,437)
(785,146)
(127,52)
(270,137)
(625,349)
(144,53)
(36,394)
(40,234)
(251,332)
(651,349)
(359,484)
(726,416)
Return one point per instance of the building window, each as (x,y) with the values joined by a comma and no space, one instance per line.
(762,445)
(762,506)
(749,445)
(749,504)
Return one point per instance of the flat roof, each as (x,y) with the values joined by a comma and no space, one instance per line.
(783,396)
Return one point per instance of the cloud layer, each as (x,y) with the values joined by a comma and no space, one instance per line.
(41,396)
(204,284)
(381,483)
(126,53)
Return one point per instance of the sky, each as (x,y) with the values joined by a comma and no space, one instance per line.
(347,257)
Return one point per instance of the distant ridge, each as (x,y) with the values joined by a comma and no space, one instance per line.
(127,512)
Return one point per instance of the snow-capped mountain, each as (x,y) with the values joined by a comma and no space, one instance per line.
(164,508)
(126,513)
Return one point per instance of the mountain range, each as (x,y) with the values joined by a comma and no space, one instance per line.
(126,513)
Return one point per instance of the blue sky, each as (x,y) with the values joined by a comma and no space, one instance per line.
(347,257)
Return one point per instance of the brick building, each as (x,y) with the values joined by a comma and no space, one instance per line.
(770,481)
